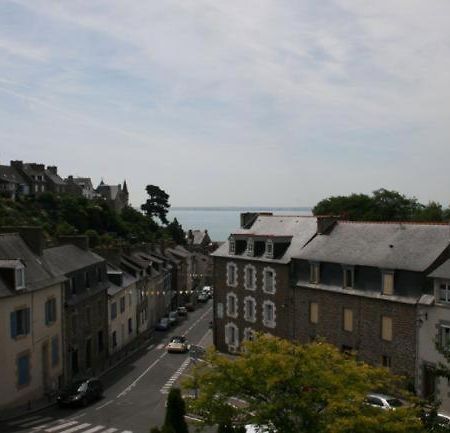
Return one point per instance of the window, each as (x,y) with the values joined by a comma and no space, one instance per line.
(231,275)
(249,309)
(20,322)
(55,351)
(250,247)
(23,370)
(232,246)
(72,284)
(269,314)
(50,311)
(86,279)
(100,308)
(348,320)
(20,278)
(100,343)
(386,328)
(122,304)
(113,310)
(314,273)
(269,282)
(74,324)
(231,335)
(219,310)
(88,316)
(232,305)
(130,326)
(444,292)
(388,283)
(269,248)
(250,277)
(99,274)
(444,337)
(114,339)
(130,299)
(314,312)
(249,334)
(348,277)
(386,361)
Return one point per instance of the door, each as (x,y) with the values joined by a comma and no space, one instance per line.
(45,366)
(428,382)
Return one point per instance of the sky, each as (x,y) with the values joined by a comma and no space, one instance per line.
(237,102)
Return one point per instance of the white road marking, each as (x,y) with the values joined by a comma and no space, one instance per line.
(30,418)
(104,405)
(77,417)
(151,347)
(61,426)
(165,389)
(32,423)
(94,429)
(76,428)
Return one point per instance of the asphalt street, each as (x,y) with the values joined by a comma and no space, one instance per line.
(135,392)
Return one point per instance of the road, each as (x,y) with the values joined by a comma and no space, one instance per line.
(135,393)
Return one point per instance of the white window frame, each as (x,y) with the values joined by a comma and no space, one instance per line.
(269,249)
(253,283)
(232,265)
(250,247)
(231,343)
(269,323)
(232,299)
(20,277)
(447,292)
(232,246)
(345,284)
(250,316)
(274,280)
(383,281)
(314,273)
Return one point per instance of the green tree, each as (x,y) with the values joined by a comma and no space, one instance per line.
(176,232)
(175,413)
(292,388)
(158,203)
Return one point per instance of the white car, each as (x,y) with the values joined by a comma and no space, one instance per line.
(383,401)
(178,344)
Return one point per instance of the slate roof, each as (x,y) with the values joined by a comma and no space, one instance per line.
(198,236)
(299,228)
(442,271)
(38,274)
(56,179)
(407,246)
(108,191)
(9,174)
(69,258)
(127,280)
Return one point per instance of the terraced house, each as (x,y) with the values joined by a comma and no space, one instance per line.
(31,319)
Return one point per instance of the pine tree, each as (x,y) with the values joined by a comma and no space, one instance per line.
(176,409)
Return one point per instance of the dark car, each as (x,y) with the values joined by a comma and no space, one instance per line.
(163,324)
(81,393)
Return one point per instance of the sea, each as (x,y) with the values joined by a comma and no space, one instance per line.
(221,221)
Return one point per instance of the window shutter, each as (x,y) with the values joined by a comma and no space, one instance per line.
(47,313)
(27,320)
(23,368)
(13,321)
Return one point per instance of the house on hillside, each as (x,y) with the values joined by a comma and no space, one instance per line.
(80,186)
(115,195)
(12,184)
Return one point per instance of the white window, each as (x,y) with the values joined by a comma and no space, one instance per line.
(232,305)
(269,280)
(314,273)
(388,283)
(444,336)
(250,277)
(314,312)
(250,247)
(348,320)
(250,309)
(249,334)
(232,246)
(269,248)
(444,292)
(232,275)
(231,335)
(20,277)
(269,316)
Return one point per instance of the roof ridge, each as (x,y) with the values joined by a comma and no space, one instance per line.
(429,223)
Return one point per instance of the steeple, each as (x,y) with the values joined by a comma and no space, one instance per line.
(124,188)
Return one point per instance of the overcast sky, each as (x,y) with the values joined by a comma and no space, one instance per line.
(236,102)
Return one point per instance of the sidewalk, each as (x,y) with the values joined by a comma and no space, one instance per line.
(113,362)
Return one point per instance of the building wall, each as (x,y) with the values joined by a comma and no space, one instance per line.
(33,344)
(281,299)
(365,338)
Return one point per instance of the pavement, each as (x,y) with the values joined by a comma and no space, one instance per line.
(135,391)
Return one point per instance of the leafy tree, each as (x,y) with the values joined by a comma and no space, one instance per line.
(174,420)
(176,232)
(292,388)
(158,203)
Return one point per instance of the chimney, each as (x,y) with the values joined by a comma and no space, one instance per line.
(81,241)
(70,178)
(17,164)
(325,223)
(32,236)
(53,169)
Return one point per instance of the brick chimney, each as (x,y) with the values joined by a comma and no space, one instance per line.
(53,169)
(32,236)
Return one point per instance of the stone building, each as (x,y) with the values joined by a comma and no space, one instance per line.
(80,186)
(116,196)
(12,184)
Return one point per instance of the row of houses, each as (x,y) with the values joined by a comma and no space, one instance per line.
(66,311)
(24,179)
(381,290)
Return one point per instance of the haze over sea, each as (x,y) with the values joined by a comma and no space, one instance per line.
(221,221)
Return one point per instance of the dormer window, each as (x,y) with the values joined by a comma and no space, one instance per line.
(314,273)
(250,247)
(388,282)
(269,248)
(349,276)
(20,278)
(232,246)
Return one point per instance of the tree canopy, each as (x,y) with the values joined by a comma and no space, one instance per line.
(157,205)
(292,388)
(381,205)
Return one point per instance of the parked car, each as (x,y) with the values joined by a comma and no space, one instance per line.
(202,297)
(382,401)
(207,291)
(163,324)
(182,311)
(81,393)
(173,318)
(177,344)
(436,421)
(189,306)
